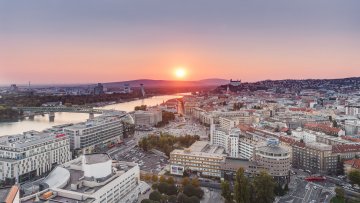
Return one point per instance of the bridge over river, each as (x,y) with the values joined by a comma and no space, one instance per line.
(32,111)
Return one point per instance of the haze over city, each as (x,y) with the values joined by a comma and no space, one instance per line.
(89,41)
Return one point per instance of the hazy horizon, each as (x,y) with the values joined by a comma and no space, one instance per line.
(87,41)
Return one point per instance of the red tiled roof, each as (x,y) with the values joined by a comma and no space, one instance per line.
(246,128)
(354,163)
(350,138)
(322,128)
(345,148)
(301,109)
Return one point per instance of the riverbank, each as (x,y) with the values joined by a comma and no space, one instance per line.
(9,115)
(40,122)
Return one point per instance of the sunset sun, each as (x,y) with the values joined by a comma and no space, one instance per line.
(180,73)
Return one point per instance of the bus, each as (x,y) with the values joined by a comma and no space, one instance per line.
(315,178)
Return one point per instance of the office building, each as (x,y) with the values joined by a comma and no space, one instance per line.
(274,158)
(246,148)
(99,89)
(99,132)
(200,157)
(315,157)
(147,118)
(31,154)
(226,136)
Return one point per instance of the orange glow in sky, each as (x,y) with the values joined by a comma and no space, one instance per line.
(180,73)
(57,42)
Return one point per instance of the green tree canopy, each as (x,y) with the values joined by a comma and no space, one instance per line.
(354,177)
(155,196)
(241,190)
(190,190)
(170,180)
(264,188)
(225,190)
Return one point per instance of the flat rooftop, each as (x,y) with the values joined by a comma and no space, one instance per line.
(28,139)
(97,121)
(235,163)
(202,148)
(319,146)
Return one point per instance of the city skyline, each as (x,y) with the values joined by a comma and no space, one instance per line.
(86,42)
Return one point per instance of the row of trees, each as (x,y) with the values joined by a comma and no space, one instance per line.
(166,143)
(8,114)
(38,100)
(260,189)
(166,191)
(142,108)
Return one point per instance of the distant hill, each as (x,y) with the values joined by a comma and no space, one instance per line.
(338,85)
(167,83)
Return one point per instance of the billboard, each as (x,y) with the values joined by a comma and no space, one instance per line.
(176,170)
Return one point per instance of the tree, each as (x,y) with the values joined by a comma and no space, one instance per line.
(241,190)
(163,188)
(142,107)
(155,186)
(182,198)
(172,190)
(334,124)
(286,188)
(278,190)
(143,144)
(164,198)
(194,199)
(172,199)
(155,196)
(288,132)
(354,177)
(154,178)
(225,190)
(162,179)
(340,193)
(185,181)
(147,177)
(170,180)
(264,188)
(195,182)
(190,190)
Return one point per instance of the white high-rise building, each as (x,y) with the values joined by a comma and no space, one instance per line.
(246,148)
(100,131)
(226,136)
(31,154)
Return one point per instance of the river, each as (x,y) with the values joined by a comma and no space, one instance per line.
(42,122)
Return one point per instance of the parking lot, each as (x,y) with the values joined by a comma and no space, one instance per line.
(148,161)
